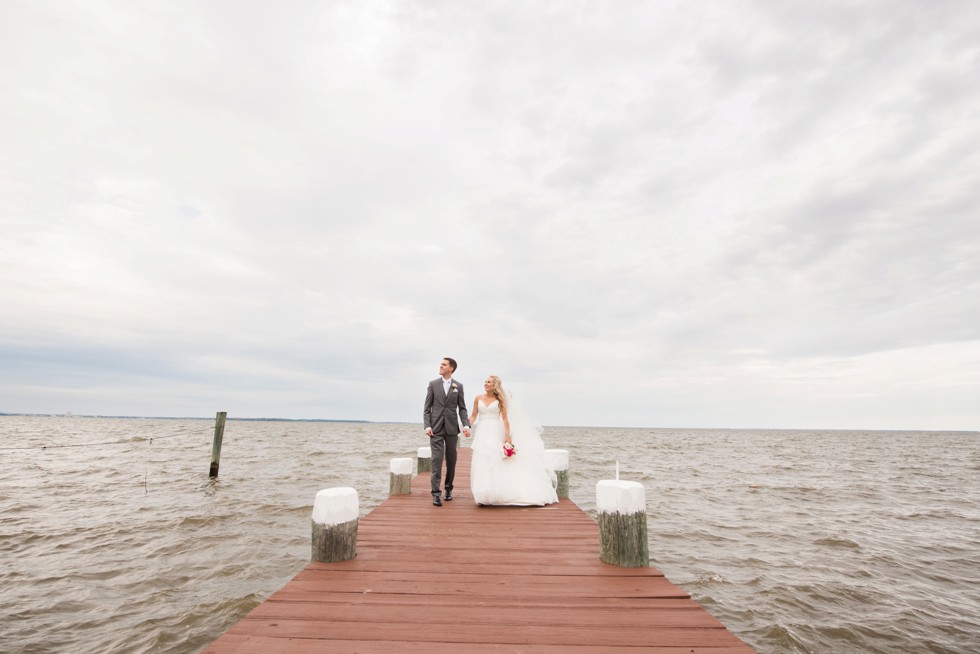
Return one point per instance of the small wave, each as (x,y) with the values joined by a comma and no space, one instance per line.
(781,639)
(705,578)
(837,542)
(190,521)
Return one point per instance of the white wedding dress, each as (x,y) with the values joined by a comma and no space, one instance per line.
(523,479)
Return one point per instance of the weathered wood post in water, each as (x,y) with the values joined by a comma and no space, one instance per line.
(219,433)
(335,515)
(622,523)
(557,460)
(401,477)
(425,460)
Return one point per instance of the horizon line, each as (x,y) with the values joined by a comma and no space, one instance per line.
(69,414)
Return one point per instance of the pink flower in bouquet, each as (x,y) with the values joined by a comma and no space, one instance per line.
(509,450)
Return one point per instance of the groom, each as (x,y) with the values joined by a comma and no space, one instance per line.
(443,399)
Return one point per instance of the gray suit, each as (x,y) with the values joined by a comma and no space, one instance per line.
(439,414)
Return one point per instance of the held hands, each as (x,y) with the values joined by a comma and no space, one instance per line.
(466,432)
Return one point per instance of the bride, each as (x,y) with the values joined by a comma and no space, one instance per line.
(508,465)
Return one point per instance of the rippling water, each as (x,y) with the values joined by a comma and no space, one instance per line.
(114,539)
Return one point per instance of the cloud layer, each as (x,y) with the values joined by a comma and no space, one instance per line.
(735,214)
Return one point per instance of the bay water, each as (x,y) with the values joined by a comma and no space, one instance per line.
(114,539)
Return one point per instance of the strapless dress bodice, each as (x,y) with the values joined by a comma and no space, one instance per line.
(492,409)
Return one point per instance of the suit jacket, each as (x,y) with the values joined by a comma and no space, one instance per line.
(439,411)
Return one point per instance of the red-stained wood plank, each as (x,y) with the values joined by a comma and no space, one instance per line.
(391,608)
(477,579)
(443,629)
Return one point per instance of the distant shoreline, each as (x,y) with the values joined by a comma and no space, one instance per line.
(74,415)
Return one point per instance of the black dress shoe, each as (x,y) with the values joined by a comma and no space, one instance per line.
(449,496)
(436,500)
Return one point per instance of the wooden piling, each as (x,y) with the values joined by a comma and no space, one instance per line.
(400,480)
(557,460)
(334,525)
(622,523)
(219,433)
(425,460)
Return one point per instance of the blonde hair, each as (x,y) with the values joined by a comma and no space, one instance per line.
(498,391)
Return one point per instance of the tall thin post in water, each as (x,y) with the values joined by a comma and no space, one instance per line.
(219,433)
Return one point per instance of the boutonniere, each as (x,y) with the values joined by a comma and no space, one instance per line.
(454,387)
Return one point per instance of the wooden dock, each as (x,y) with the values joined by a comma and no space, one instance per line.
(462,578)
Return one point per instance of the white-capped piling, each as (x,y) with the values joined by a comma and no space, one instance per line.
(401,476)
(622,523)
(425,460)
(335,515)
(557,460)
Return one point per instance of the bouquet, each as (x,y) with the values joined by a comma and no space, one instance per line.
(509,450)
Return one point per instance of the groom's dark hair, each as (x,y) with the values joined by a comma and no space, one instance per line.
(452,362)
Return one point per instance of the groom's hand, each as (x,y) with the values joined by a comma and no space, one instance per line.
(428,431)
(466,432)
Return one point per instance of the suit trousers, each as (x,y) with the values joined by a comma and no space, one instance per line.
(443,446)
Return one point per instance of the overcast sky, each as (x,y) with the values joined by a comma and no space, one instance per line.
(651,214)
